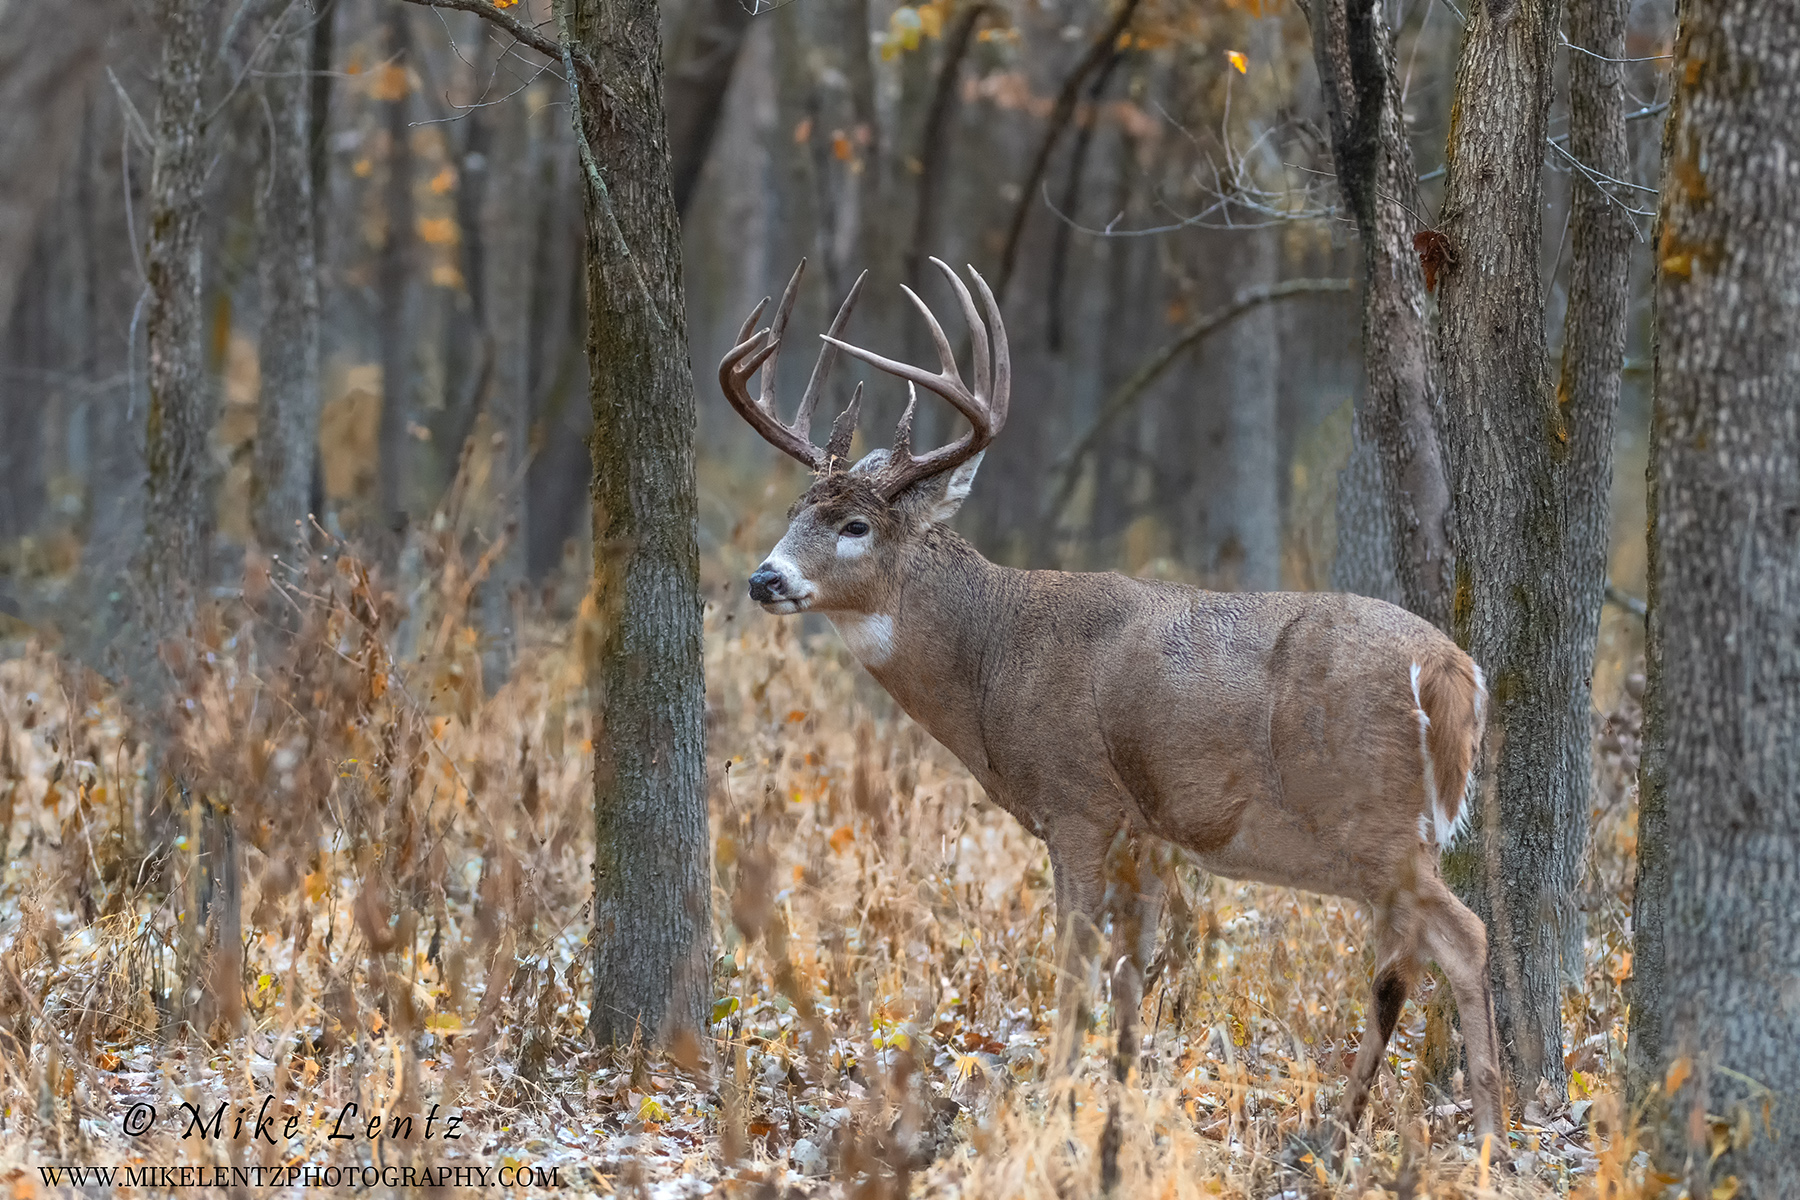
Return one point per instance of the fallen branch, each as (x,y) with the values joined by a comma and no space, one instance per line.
(1064,470)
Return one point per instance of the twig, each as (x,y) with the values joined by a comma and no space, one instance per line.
(1626,601)
(548,46)
(1063,471)
(1097,53)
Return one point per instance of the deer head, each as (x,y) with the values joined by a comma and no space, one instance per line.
(847,534)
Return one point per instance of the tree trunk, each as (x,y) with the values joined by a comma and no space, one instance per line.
(1246,539)
(1726,598)
(652,928)
(398,302)
(49,55)
(287,425)
(1355,55)
(1587,395)
(511,220)
(1514,608)
(705,50)
(178,508)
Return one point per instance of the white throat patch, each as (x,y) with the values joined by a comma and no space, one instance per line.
(870,636)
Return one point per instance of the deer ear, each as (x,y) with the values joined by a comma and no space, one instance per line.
(956,485)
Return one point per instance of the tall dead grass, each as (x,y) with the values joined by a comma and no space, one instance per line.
(351,875)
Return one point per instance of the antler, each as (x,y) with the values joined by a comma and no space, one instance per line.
(759,350)
(985,406)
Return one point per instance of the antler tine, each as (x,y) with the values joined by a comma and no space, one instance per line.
(903,431)
(985,408)
(998,400)
(750,322)
(777,328)
(977,330)
(837,449)
(815,386)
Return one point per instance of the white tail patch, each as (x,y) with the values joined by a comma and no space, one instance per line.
(1432,805)
(870,636)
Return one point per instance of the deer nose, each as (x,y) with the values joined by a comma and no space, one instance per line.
(766,585)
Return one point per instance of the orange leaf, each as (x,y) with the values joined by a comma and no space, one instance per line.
(443,181)
(1679,1072)
(803,131)
(842,838)
(438,231)
(391,84)
(1239,61)
(840,144)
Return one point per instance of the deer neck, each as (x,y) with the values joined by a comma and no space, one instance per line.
(927,645)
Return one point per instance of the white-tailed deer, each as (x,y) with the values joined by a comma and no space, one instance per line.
(1318,741)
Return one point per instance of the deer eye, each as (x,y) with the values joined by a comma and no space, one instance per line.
(855,529)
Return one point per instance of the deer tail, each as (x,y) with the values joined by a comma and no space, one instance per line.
(1450,696)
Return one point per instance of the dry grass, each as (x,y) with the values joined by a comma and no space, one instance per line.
(414,878)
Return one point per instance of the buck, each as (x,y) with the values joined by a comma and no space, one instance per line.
(1312,740)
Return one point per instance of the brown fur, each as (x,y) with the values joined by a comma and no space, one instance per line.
(1455,702)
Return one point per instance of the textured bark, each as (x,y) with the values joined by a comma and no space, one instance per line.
(652,929)
(702,54)
(178,508)
(287,427)
(398,301)
(1354,52)
(1514,607)
(1363,559)
(1726,598)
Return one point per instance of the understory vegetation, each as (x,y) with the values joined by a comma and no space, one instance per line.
(410,894)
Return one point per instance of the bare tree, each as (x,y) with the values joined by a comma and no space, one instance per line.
(1354,51)
(398,292)
(512,202)
(287,431)
(651,865)
(178,512)
(1717,994)
(702,54)
(1513,606)
(652,873)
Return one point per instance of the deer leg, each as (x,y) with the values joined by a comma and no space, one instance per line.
(1136,898)
(1457,939)
(1080,899)
(1396,966)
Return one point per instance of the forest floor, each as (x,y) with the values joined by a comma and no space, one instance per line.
(414,890)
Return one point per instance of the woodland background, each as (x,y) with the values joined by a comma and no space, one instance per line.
(378,885)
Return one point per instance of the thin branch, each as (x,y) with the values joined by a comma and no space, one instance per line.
(1604,58)
(1626,601)
(521,32)
(1064,470)
(525,34)
(1066,99)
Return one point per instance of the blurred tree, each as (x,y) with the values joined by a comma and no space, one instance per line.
(702,54)
(287,428)
(1716,996)
(178,515)
(397,288)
